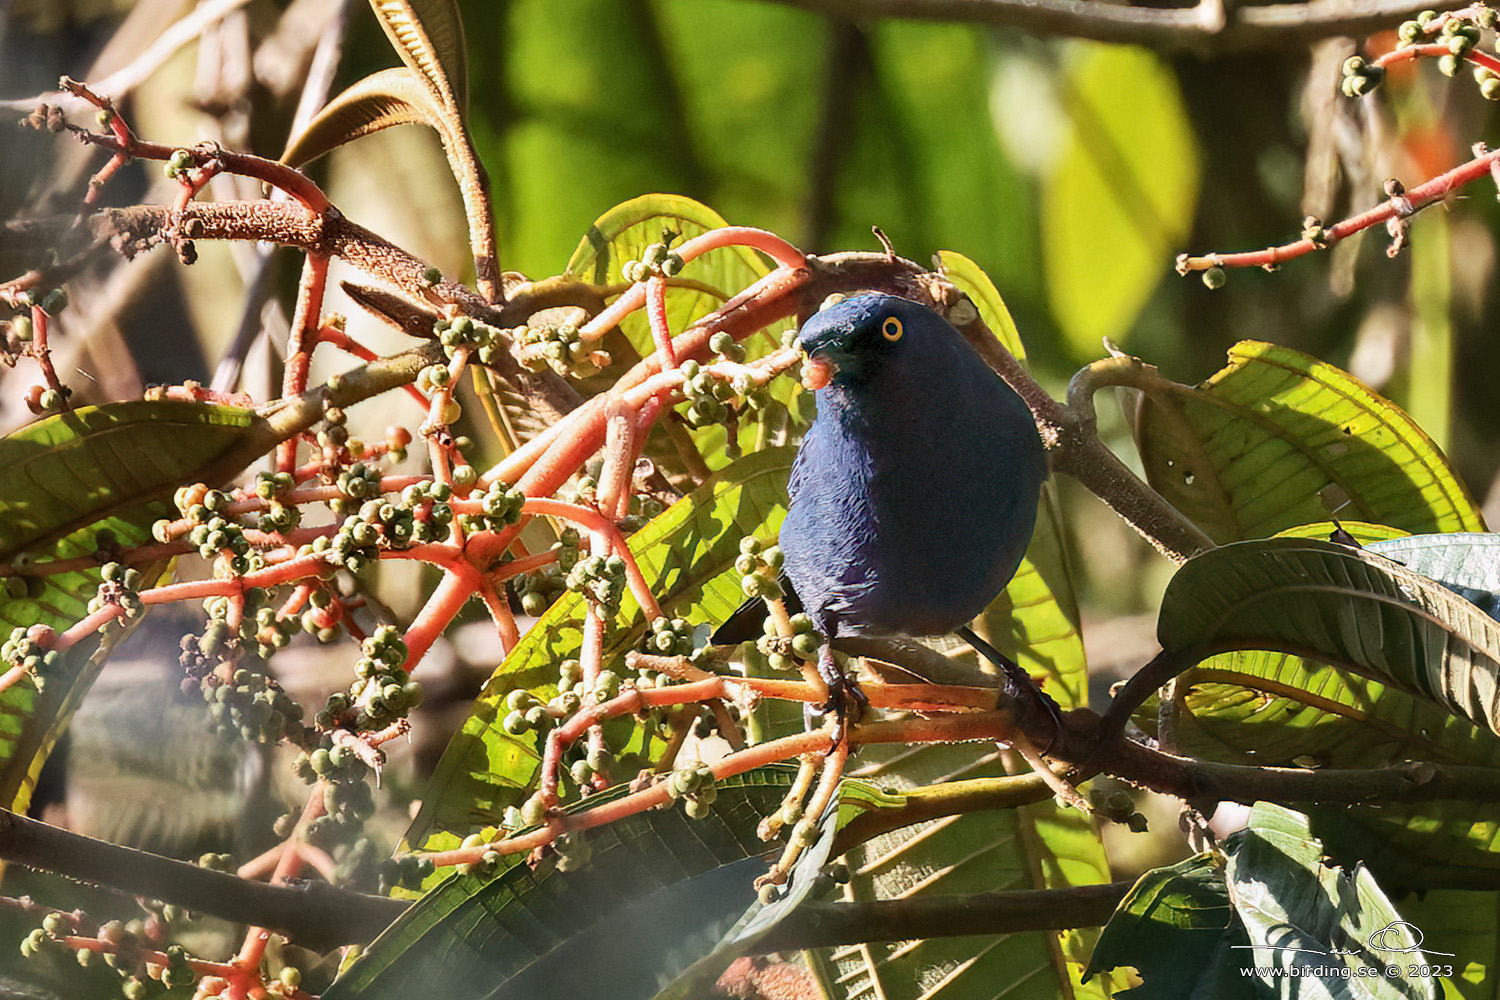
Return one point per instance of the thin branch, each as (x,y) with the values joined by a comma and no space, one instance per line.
(316,915)
(818,925)
(1209,26)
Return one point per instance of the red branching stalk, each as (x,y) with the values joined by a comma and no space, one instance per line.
(1400,204)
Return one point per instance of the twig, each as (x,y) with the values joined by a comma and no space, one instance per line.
(316,915)
(1206,27)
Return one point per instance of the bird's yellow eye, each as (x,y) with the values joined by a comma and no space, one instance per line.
(891,329)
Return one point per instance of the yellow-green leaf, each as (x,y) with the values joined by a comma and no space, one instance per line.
(1278,439)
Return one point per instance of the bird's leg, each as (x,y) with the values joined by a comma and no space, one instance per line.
(1018,684)
(846,700)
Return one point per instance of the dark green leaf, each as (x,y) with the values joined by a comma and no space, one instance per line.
(1177,930)
(1344,605)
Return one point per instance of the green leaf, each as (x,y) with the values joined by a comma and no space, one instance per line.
(73,469)
(1278,439)
(622,234)
(1121,197)
(1177,929)
(1336,928)
(68,482)
(1344,605)
(661,891)
(687,556)
(1271,709)
(970,279)
(429,37)
(379,101)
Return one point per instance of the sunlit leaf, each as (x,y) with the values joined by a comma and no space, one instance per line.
(1278,439)
(622,234)
(74,486)
(73,469)
(1121,198)
(973,282)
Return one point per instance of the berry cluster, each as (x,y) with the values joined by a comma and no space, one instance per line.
(118,587)
(656,260)
(124,944)
(31,649)
(500,508)
(382,692)
(561,349)
(251,706)
(669,637)
(759,567)
(464,331)
(408,871)
(695,787)
(601,579)
(278,516)
(784,652)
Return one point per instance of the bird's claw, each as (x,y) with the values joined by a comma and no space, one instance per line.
(1038,702)
(846,700)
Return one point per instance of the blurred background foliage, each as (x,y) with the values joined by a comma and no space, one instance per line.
(1072,171)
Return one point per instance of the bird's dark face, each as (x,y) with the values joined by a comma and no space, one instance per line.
(854,338)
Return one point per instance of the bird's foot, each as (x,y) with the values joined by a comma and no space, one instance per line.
(1019,687)
(846,700)
(1038,702)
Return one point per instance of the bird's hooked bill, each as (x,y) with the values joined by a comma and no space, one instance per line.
(817,372)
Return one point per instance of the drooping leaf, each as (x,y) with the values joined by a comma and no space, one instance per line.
(1273,709)
(687,555)
(429,36)
(379,101)
(660,892)
(1278,439)
(1336,928)
(1343,605)
(1120,199)
(1176,928)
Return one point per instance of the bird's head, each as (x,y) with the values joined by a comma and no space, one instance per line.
(854,337)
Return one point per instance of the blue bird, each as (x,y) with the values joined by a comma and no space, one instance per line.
(914,494)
